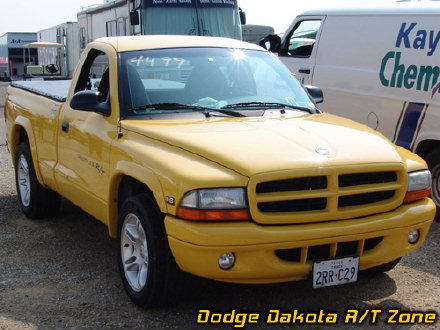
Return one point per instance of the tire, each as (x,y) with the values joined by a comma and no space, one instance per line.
(149,273)
(379,270)
(433,160)
(35,201)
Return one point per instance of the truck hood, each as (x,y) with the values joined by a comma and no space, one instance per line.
(254,145)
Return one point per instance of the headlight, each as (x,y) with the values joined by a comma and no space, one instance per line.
(214,204)
(222,198)
(419,185)
(419,180)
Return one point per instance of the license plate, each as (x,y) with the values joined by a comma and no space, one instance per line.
(335,272)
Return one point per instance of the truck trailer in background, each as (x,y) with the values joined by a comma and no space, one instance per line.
(11,54)
(220,18)
(66,57)
(255,33)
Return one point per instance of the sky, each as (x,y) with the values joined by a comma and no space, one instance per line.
(35,15)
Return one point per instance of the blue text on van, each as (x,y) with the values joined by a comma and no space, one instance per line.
(394,73)
(422,39)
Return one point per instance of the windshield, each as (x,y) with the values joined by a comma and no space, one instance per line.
(213,22)
(193,79)
(170,21)
(220,22)
(219,18)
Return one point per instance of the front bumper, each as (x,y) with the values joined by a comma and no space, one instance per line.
(197,246)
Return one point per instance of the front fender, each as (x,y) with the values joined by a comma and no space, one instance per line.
(124,168)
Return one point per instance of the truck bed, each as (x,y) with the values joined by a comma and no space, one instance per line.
(56,89)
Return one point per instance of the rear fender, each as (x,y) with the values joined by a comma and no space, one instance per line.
(23,123)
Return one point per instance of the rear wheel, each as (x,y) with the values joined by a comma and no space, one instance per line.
(148,270)
(433,160)
(36,201)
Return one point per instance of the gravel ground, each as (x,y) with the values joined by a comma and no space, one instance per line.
(61,273)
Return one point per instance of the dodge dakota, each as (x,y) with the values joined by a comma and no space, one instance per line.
(206,156)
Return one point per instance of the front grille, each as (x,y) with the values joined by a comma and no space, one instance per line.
(357,179)
(328,251)
(297,184)
(367,198)
(299,205)
(329,195)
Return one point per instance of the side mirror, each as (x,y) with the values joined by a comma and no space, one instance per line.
(242,17)
(271,42)
(315,93)
(90,101)
(134,17)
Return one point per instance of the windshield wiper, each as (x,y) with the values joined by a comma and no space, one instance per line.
(266,105)
(181,106)
(166,106)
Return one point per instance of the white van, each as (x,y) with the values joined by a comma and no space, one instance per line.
(379,66)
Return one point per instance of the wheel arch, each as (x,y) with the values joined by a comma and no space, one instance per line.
(430,151)
(22,132)
(124,185)
(425,147)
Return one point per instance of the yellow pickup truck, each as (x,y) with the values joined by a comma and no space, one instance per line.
(206,156)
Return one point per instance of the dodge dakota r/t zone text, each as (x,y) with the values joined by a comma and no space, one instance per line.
(206,156)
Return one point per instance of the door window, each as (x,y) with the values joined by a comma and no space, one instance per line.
(111,28)
(303,38)
(95,74)
(121,26)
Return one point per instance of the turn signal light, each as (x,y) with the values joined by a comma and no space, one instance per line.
(212,215)
(412,196)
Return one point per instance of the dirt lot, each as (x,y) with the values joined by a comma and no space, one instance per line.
(61,273)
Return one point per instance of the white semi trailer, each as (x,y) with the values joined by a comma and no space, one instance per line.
(221,18)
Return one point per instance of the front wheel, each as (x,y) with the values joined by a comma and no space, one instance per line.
(433,160)
(148,270)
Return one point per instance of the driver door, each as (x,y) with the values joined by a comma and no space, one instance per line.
(300,46)
(85,139)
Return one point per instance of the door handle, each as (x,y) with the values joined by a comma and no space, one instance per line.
(306,71)
(65,126)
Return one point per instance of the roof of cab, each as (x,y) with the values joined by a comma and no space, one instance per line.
(397,8)
(122,44)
